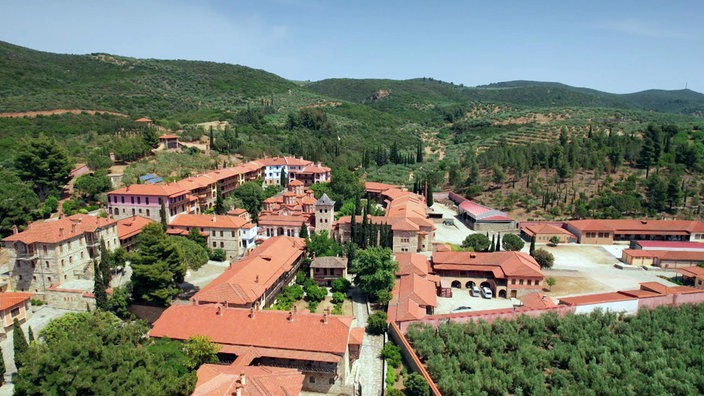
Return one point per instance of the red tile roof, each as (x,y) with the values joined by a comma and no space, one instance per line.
(664,227)
(670,245)
(168,190)
(221,380)
(247,280)
(143,119)
(187,220)
(357,336)
(669,255)
(63,229)
(280,161)
(595,299)
(545,229)
(268,329)
(374,187)
(474,208)
(412,263)
(694,271)
(168,137)
(10,300)
(502,264)
(537,300)
(131,226)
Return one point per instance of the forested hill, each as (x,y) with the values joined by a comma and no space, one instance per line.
(528,93)
(34,80)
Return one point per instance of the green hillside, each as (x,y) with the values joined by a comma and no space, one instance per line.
(34,80)
(528,93)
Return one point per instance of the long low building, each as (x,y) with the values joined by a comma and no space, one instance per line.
(233,234)
(662,258)
(256,280)
(316,345)
(507,274)
(610,231)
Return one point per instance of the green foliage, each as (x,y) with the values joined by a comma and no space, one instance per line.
(554,240)
(44,163)
(251,195)
(2,368)
(89,185)
(375,271)
(195,236)
(119,302)
(338,298)
(392,354)
(288,296)
(390,378)
(344,185)
(218,255)
(17,202)
(96,353)
(200,349)
(341,285)
(303,233)
(157,266)
(478,242)
(416,385)
(192,254)
(512,242)
(101,297)
(36,302)
(50,205)
(315,293)
(19,344)
(321,244)
(550,281)
(602,353)
(544,258)
(376,324)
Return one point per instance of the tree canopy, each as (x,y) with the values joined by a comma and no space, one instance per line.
(17,201)
(251,195)
(478,242)
(595,354)
(544,258)
(512,242)
(96,353)
(44,163)
(375,271)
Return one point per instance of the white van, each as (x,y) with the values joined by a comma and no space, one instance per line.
(474,291)
(486,292)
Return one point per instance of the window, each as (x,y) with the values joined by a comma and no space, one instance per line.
(233,234)
(34,277)
(15,312)
(146,200)
(140,210)
(122,199)
(81,255)
(133,212)
(528,282)
(44,248)
(520,282)
(139,200)
(513,281)
(222,244)
(70,259)
(20,277)
(47,263)
(331,381)
(215,244)
(220,233)
(213,232)
(311,379)
(148,212)
(48,278)
(132,200)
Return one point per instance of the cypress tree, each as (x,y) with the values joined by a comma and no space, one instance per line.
(30,335)
(303,233)
(101,297)
(353,224)
(429,195)
(492,246)
(364,231)
(105,270)
(162,214)
(219,202)
(19,343)
(532,244)
(284,179)
(2,368)
(497,248)
(212,140)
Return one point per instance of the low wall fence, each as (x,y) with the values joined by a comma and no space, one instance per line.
(409,355)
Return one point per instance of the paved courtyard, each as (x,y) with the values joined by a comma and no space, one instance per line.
(449,233)
(462,298)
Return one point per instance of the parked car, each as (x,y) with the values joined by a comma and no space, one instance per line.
(462,308)
(486,292)
(474,291)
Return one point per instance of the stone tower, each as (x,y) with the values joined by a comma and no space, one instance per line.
(324,214)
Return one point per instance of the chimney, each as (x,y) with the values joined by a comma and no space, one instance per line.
(290,316)
(214,218)
(251,312)
(61,231)
(238,392)
(15,230)
(472,255)
(219,311)
(128,188)
(243,379)
(325,317)
(256,279)
(73,228)
(295,310)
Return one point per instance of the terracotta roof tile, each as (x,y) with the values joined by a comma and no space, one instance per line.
(412,263)
(131,226)
(168,190)
(357,336)
(595,299)
(694,271)
(503,264)
(329,262)
(221,380)
(63,229)
(267,329)
(10,299)
(188,220)
(669,227)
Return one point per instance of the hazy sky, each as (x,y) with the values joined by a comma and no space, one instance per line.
(615,46)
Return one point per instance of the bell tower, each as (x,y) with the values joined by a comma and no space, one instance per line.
(324,214)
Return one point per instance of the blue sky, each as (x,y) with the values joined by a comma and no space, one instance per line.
(615,46)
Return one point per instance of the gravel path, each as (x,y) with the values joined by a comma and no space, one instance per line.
(369,367)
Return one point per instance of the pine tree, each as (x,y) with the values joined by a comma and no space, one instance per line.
(101,297)
(162,215)
(19,343)
(30,335)
(532,244)
(303,233)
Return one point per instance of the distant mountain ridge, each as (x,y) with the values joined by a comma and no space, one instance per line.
(35,80)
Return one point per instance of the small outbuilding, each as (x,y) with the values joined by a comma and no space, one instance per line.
(324,270)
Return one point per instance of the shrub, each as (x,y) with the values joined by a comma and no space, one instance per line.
(392,354)
(390,376)
(512,242)
(315,293)
(338,298)
(544,258)
(341,285)
(218,255)
(376,324)
(478,242)
(416,385)
(37,302)
(313,305)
